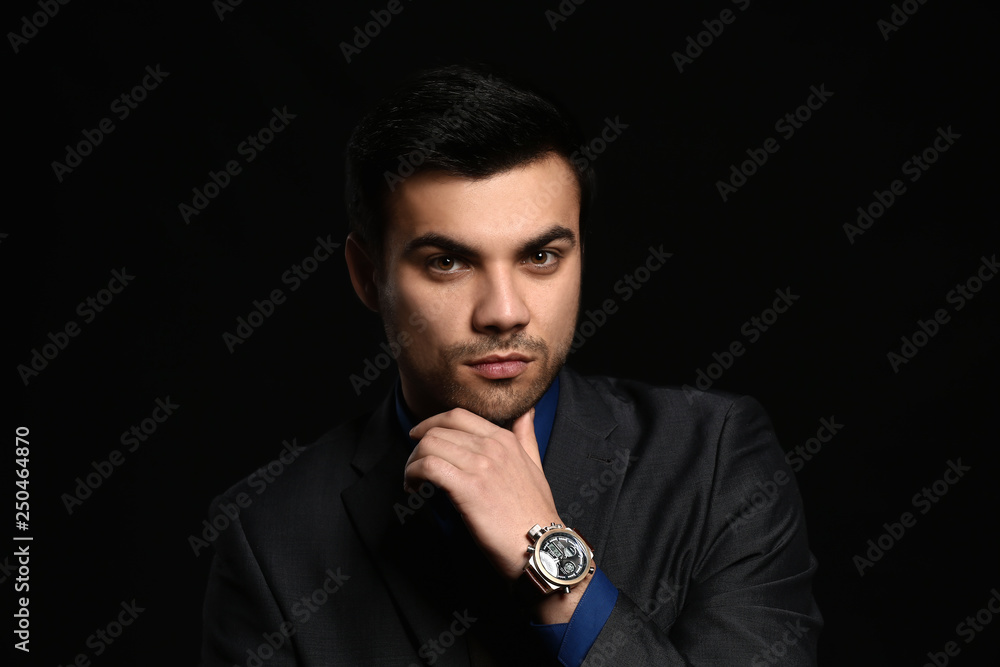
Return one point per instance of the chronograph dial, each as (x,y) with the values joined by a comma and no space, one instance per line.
(559,558)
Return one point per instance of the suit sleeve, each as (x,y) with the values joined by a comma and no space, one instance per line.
(749,596)
(240,617)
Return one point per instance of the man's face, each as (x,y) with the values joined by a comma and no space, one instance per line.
(481,287)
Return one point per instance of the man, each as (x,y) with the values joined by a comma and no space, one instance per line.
(498,508)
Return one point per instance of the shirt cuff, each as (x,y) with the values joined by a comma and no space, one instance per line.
(571,641)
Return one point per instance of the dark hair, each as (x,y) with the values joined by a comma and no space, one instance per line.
(466,121)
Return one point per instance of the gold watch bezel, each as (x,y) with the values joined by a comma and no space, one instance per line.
(544,574)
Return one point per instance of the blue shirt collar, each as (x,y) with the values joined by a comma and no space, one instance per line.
(545,415)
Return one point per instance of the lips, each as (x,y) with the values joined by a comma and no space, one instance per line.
(499,367)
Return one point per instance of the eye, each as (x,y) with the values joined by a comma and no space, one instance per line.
(445,264)
(543,259)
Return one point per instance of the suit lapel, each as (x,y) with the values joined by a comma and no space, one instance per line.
(399,549)
(584,466)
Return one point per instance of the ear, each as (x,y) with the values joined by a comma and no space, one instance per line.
(362,270)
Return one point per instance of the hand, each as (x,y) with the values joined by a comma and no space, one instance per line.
(493,476)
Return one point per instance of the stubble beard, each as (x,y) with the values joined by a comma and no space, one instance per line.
(504,400)
(500,401)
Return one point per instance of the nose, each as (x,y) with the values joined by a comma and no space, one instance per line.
(500,306)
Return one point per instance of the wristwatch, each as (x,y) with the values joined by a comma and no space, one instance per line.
(558,559)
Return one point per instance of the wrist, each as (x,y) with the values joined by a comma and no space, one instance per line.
(559,608)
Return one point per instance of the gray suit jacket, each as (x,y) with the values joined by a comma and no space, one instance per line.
(687,500)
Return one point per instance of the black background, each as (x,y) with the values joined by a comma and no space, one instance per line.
(162,336)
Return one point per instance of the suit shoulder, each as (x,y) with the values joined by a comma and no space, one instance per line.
(641,399)
(710,435)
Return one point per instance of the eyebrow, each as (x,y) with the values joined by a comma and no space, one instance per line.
(448,244)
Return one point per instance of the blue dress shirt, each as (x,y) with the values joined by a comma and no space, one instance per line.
(568,642)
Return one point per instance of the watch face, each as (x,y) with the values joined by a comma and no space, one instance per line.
(563,557)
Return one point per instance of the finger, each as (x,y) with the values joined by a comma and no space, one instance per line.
(431,469)
(450,434)
(458,419)
(524,431)
(447,445)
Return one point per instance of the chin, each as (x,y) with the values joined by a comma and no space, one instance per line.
(500,401)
